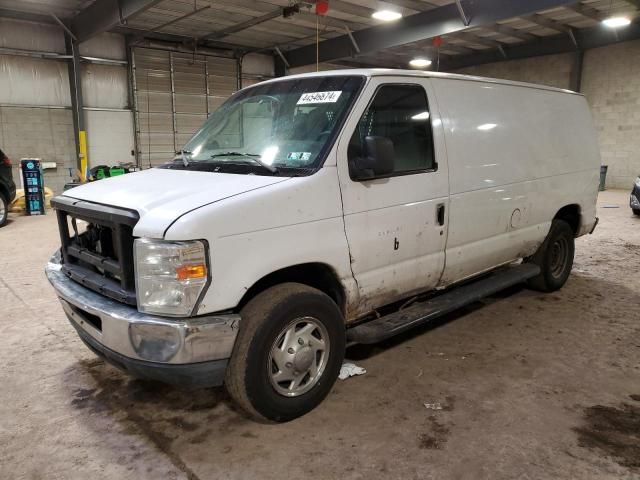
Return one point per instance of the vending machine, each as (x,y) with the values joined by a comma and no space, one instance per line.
(33,183)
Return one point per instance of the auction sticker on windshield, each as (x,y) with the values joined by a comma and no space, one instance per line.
(319,97)
(299,156)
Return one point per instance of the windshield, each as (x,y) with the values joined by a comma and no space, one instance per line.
(276,128)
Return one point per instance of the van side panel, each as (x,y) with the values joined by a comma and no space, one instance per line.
(516,156)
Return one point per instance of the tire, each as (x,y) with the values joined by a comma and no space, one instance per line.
(4,210)
(260,373)
(554,257)
(636,212)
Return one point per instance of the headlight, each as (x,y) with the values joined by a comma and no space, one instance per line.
(170,276)
(638,182)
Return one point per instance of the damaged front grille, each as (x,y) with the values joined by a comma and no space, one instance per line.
(97,246)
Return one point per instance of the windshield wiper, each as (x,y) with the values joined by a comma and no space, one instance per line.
(251,156)
(183,157)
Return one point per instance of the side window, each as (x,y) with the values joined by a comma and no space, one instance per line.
(401,114)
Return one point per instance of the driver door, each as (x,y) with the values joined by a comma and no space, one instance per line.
(396,225)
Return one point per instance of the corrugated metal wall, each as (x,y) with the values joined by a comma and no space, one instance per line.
(174,93)
(35,103)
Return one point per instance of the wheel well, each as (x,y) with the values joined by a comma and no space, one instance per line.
(571,215)
(316,275)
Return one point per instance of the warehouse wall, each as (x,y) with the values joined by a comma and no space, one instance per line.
(611,85)
(35,103)
(554,70)
(35,121)
(45,133)
(105,90)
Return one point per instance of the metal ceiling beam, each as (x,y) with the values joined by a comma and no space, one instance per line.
(140,36)
(575,76)
(588,12)
(417,5)
(77,104)
(305,15)
(28,16)
(336,5)
(242,26)
(547,22)
(454,47)
(350,9)
(421,26)
(478,40)
(63,26)
(179,19)
(587,38)
(104,15)
(511,32)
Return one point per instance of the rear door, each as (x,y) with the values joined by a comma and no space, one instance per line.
(396,226)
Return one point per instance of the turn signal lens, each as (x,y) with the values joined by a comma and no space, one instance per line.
(185,272)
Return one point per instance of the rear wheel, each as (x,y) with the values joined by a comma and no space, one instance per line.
(4,210)
(554,257)
(288,352)
(636,212)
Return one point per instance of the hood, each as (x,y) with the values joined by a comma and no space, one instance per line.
(161,196)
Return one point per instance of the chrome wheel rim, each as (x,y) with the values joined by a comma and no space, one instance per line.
(298,357)
(559,257)
(3,209)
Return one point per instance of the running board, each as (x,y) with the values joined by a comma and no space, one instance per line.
(420,313)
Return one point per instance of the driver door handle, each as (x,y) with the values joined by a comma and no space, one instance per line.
(440,214)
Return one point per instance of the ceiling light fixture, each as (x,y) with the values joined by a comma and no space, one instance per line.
(616,22)
(386,15)
(420,62)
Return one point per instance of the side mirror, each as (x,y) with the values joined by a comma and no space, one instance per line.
(378,159)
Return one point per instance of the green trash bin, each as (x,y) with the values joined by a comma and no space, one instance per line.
(603,177)
(116,171)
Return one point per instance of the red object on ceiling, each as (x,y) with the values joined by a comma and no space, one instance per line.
(322,7)
(437,41)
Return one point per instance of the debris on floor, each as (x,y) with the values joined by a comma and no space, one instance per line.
(349,370)
(446,405)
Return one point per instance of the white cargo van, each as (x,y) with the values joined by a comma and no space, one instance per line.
(320,209)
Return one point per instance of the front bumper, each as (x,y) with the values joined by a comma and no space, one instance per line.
(192,351)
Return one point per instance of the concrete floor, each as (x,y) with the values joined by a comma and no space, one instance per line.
(532,386)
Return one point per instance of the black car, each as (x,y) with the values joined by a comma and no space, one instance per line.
(634,201)
(7,188)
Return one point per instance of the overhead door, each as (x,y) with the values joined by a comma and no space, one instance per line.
(174,93)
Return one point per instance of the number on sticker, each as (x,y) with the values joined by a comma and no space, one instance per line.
(319,97)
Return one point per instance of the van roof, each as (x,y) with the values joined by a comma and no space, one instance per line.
(382,72)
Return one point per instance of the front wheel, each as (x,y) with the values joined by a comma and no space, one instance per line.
(287,354)
(554,257)
(636,212)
